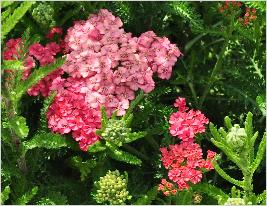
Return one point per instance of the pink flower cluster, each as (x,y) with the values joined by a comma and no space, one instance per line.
(106,66)
(113,63)
(184,161)
(167,188)
(44,54)
(186,123)
(69,112)
(12,51)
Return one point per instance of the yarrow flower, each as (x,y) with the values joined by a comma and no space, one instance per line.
(105,66)
(184,161)
(232,8)
(111,65)
(167,188)
(44,54)
(186,123)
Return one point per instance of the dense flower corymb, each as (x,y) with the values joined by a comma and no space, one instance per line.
(112,188)
(110,65)
(184,162)
(186,123)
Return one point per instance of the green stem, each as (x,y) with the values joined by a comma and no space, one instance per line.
(218,65)
(190,80)
(136,152)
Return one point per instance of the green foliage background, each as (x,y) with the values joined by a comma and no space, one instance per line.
(54,171)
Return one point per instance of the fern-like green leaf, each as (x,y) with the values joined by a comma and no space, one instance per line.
(134,103)
(96,147)
(27,197)
(125,157)
(230,154)
(223,174)
(249,125)
(261,198)
(12,20)
(260,154)
(47,140)
(215,132)
(5,194)
(117,154)
(36,76)
(84,167)
(19,126)
(12,65)
(187,12)
(5,4)
(228,122)
(134,136)
(104,118)
(148,197)
(212,191)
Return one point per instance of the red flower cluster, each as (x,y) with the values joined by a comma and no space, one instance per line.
(167,188)
(227,5)
(184,161)
(234,6)
(249,16)
(13,51)
(186,124)
(44,54)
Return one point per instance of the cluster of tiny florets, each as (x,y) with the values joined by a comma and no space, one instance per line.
(186,123)
(105,66)
(116,132)
(112,189)
(235,201)
(43,14)
(110,65)
(229,8)
(184,161)
(167,188)
(236,137)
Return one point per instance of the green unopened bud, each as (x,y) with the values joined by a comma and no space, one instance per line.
(112,192)
(116,132)
(236,137)
(235,201)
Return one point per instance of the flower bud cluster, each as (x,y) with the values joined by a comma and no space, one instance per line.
(235,201)
(236,137)
(116,131)
(112,189)
(43,14)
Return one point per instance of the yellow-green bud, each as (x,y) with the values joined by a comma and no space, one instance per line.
(235,201)
(236,137)
(110,191)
